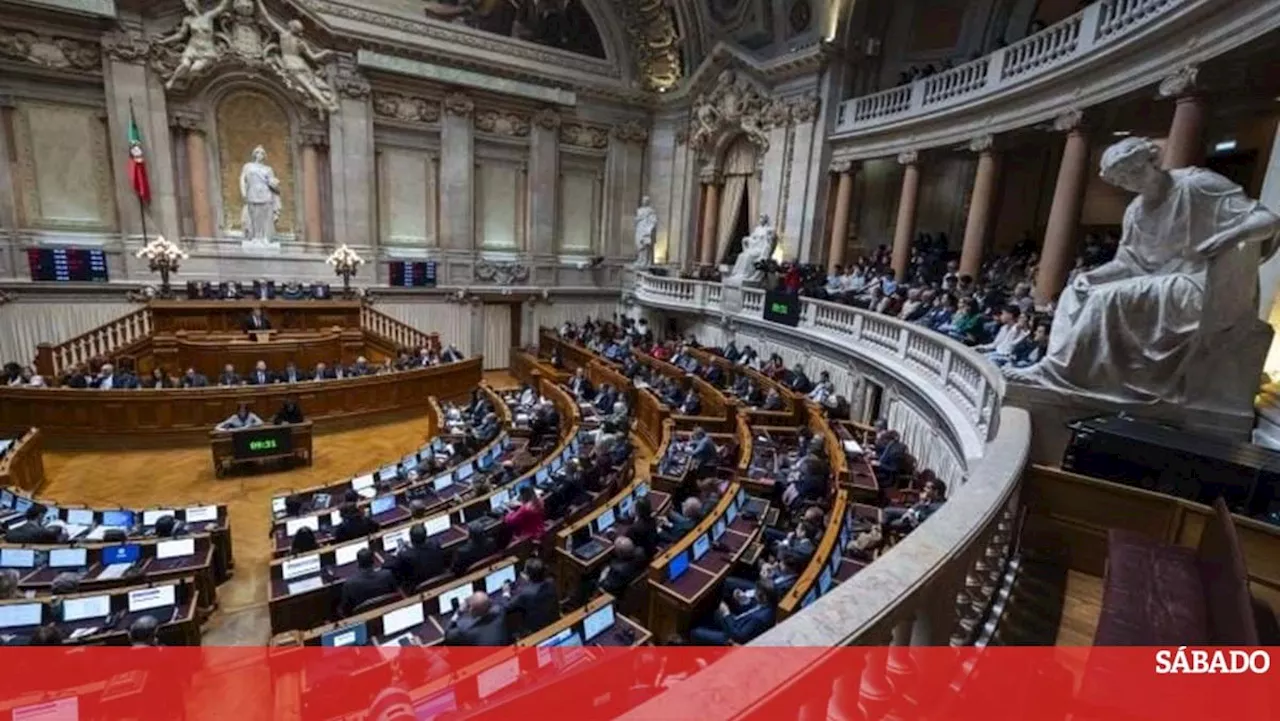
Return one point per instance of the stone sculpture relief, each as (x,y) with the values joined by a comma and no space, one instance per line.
(243,32)
(646,228)
(584,136)
(499,122)
(500,273)
(755,247)
(50,52)
(1173,318)
(733,106)
(406,108)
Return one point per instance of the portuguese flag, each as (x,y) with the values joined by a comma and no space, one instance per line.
(137,162)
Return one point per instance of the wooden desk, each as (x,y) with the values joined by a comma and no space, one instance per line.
(179,624)
(208,353)
(171,316)
(615,636)
(23,466)
(792,413)
(223,443)
(77,418)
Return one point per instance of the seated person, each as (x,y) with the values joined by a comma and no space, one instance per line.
(728,626)
(477,623)
(809,483)
(451,354)
(260,375)
(797,381)
(605,398)
(526,397)
(488,428)
(823,390)
(536,602)
(231,291)
(243,418)
(643,529)
(169,527)
(159,379)
(625,565)
(192,379)
(292,374)
(581,387)
(256,321)
(692,404)
(526,520)
(417,561)
(676,524)
(304,541)
(108,379)
(702,450)
(932,496)
(892,458)
(367,583)
(34,530)
(773,401)
(355,524)
(289,412)
(475,548)
(293,290)
(360,368)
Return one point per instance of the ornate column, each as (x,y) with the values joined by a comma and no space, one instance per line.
(906,227)
(544,180)
(710,215)
(844,170)
(313,141)
(457,172)
(1057,255)
(352,158)
(1185,145)
(981,207)
(192,129)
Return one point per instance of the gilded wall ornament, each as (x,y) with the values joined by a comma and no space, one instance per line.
(47,51)
(499,122)
(406,108)
(655,41)
(459,104)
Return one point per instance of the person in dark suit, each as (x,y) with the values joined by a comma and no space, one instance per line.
(192,379)
(477,623)
(476,547)
(773,400)
(714,375)
(606,398)
(536,602)
(581,387)
(692,404)
(677,524)
(366,584)
(451,354)
(892,458)
(292,374)
(260,375)
(625,566)
(34,530)
(702,450)
(932,496)
(107,378)
(797,381)
(355,524)
(739,627)
(256,321)
(418,561)
(289,412)
(643,530)
(229,377)
(321,372)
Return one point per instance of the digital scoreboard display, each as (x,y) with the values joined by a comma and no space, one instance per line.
(261,442)
(77,265)
(417,274)
(782,307)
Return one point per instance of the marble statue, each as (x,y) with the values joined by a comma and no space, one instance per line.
(261,192)
(646,228)
(294,63)
(1173,319)
(755,247)
(200,51)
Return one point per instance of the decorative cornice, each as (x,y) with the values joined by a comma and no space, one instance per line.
(981,144)
(1180,82)
(584,136)
(547,118)
(51,51)
(1068,120)
(459,104)
(405,108)
(501,122)
(909,157)
(631,132)
(126,46)
(7,297)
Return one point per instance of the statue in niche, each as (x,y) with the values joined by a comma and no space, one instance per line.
(1173,318)
(200,51)
(755,248)
(294,62)
(646,228)
(260,190)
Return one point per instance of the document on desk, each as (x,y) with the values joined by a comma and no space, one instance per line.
(367,493)
(73,532)
(852,447)
(306,584)
(96,533)
(115,570)
(82,632)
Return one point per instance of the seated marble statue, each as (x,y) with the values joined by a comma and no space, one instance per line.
(755,247)
(1173,318)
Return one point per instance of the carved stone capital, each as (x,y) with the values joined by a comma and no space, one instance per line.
(710,175)
(909,157)
(1069,120)
(805,109)
(459,104)
(981,144)
(584,136)
(405,108)
(126,46)
(1181,82)
(547,118)
(350,83)
(191,121)
(501,122)
(841,166)
(315,137)
(631,132)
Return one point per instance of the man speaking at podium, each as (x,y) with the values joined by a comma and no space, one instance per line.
(256,321)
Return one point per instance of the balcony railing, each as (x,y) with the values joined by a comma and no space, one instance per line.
(968,382)
(1101,24)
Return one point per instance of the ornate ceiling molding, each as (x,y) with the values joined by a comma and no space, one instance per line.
(655,42)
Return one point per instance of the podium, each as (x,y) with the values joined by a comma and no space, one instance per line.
(262,335)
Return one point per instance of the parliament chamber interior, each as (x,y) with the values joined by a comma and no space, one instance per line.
(580,325)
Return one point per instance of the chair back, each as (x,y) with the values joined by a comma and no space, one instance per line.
(372,603)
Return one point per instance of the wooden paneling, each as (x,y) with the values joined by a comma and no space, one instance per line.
(23,466)
(70,417)
(170,316)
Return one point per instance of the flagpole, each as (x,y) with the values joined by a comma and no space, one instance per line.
(142,209)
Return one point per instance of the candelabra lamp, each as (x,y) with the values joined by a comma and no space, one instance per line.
(164,258)
(346,263)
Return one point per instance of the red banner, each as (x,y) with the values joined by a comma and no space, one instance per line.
(706,684)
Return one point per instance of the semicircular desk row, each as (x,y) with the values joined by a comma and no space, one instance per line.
(683,578)
(115,552)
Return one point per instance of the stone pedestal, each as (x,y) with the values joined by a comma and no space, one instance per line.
(731,299)
(1051,411)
